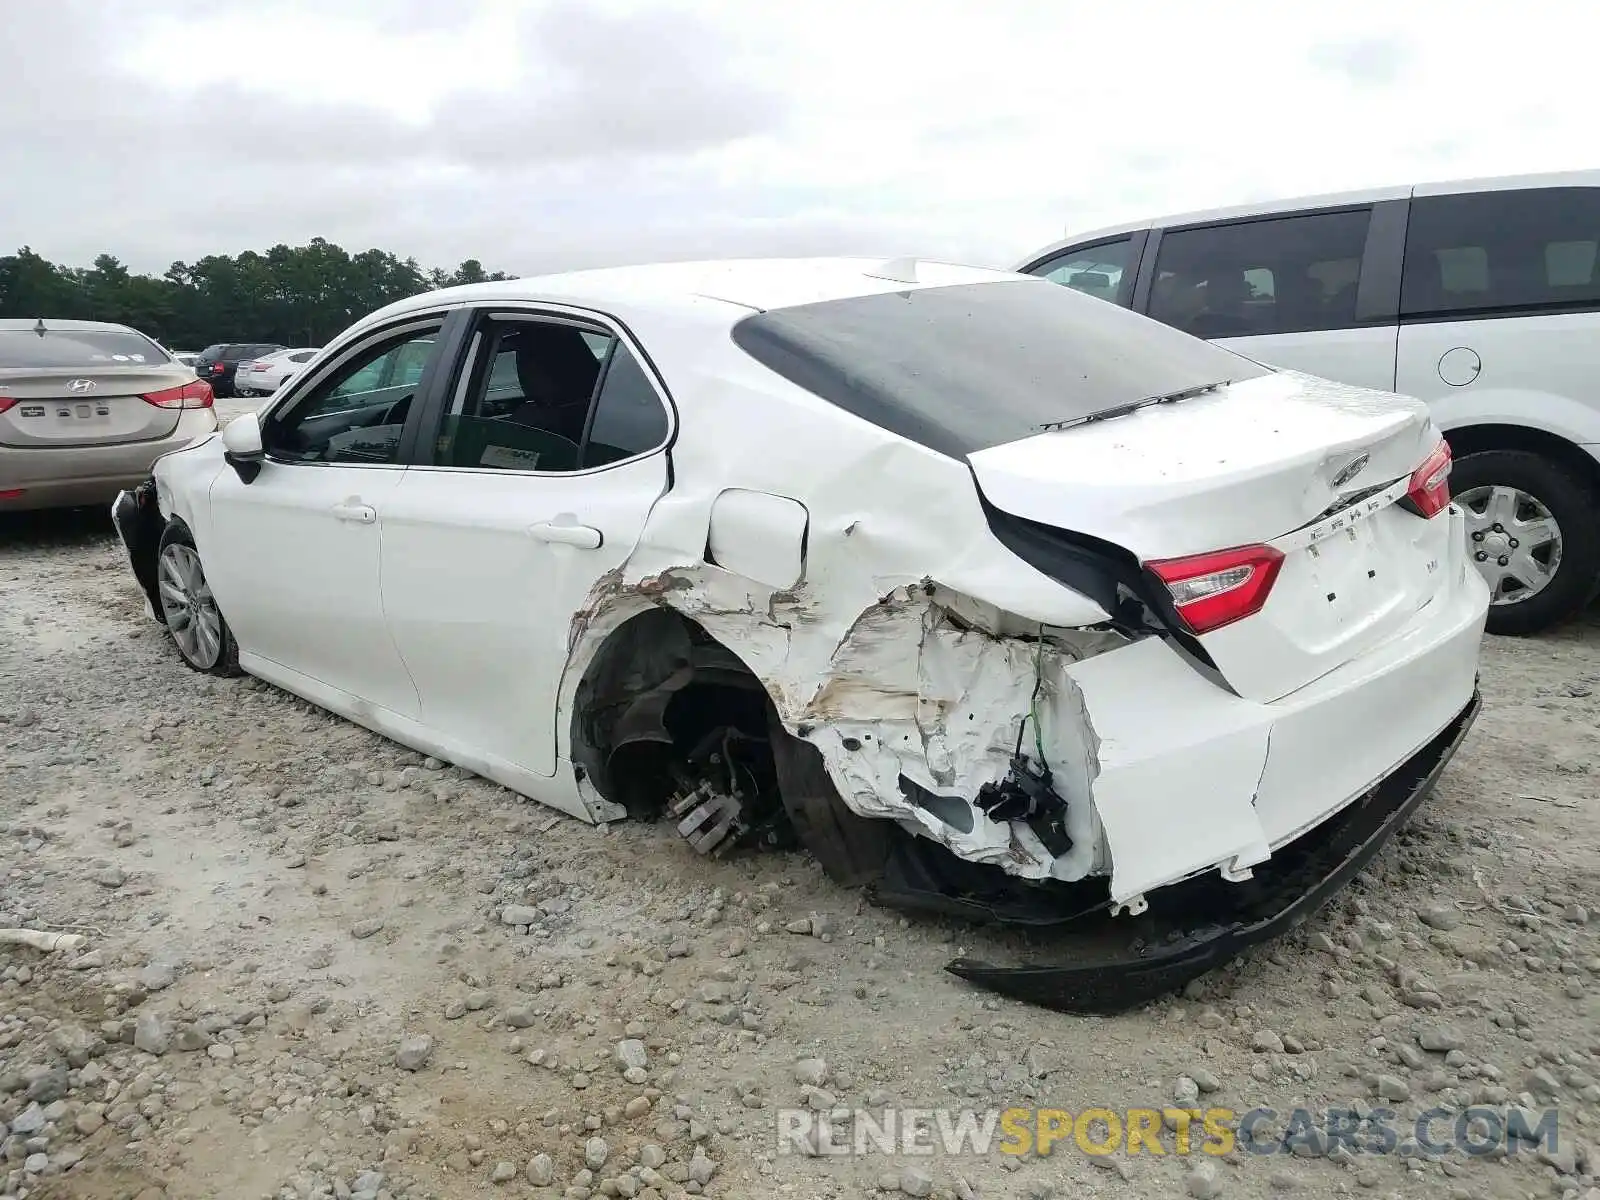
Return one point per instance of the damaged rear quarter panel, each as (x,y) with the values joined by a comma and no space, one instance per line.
(862,657)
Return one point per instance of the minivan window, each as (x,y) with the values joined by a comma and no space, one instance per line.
(961,368)
(1094,270)
(1278,275)
(1490,253)
(77,349)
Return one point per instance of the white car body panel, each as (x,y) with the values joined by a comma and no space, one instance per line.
(296,568)
(900,650)
(490,560)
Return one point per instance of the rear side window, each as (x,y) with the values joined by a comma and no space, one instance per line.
(628,418)
(1489,253)
(549,397)
(77,349)
(1097,271)
(959,369)
(1281,275)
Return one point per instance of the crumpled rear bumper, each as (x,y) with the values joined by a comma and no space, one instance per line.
(139,524)
(1201,923)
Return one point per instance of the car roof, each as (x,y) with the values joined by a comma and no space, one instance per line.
(753,284)
(1488,183)
(28,324)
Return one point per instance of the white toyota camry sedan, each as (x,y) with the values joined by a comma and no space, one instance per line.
(1002,601)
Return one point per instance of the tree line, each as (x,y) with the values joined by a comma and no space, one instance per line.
(294,295)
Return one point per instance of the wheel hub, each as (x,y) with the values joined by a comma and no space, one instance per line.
(1514,540)
(187,605)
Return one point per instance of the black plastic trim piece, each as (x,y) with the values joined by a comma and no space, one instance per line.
(433,390)
(1378,291)
(1106,573)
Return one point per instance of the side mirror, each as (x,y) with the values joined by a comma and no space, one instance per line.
(241,446)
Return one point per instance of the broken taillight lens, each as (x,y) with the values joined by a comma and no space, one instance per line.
(1221,587)
(188,395)
(1429,491)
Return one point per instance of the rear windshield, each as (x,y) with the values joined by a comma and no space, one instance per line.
(960,369)
(77,348)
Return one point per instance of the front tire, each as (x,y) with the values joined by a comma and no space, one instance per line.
(1533,534)
(189,610)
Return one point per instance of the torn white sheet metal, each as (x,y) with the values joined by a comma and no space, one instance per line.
(906,690)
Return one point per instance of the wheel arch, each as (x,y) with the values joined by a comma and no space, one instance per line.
(649,654)
(1479,438)
(637,655)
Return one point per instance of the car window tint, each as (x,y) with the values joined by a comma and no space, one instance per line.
(964,367)
(77,348)
(1282,275)
(303,356)
(524,400)
(629,418)
(357,414)
(1492,252)
(1093,270)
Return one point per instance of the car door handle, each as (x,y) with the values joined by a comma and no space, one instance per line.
(365,514)
(585,537)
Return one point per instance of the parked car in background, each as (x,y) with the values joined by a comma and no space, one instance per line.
(1481,297)
(85,408)
(1002,600)
(186,357)
(218,365)
(263,376)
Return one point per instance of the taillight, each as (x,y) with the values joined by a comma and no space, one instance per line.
(1429,491)
(189,395)
(1219,588)
(7,402)
(217,368)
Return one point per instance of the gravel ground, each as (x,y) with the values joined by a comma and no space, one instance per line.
(299,977)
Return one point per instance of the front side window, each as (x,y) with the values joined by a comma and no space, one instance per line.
(1484,253)
(1282,275)
(356,414)
(548,396)
(1094,270)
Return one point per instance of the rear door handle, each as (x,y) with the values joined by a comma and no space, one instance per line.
(584,537)
(364,514)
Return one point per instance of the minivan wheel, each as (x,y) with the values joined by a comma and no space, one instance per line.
(189,610)
(1532,534)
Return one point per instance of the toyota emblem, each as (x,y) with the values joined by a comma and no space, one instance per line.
(79,386)
(1350,470)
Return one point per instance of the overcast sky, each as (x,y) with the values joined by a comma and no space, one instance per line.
(539,135)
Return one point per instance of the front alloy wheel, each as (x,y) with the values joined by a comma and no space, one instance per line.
(190,610)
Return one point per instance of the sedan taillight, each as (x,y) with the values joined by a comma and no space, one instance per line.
(1428,494)
(1221,587)
(188,395)
(6,402)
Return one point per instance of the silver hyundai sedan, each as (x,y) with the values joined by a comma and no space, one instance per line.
(86,408)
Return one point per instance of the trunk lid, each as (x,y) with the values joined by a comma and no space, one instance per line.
(1312,467)
(62,407)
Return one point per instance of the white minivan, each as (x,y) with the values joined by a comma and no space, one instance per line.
(1481,297)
